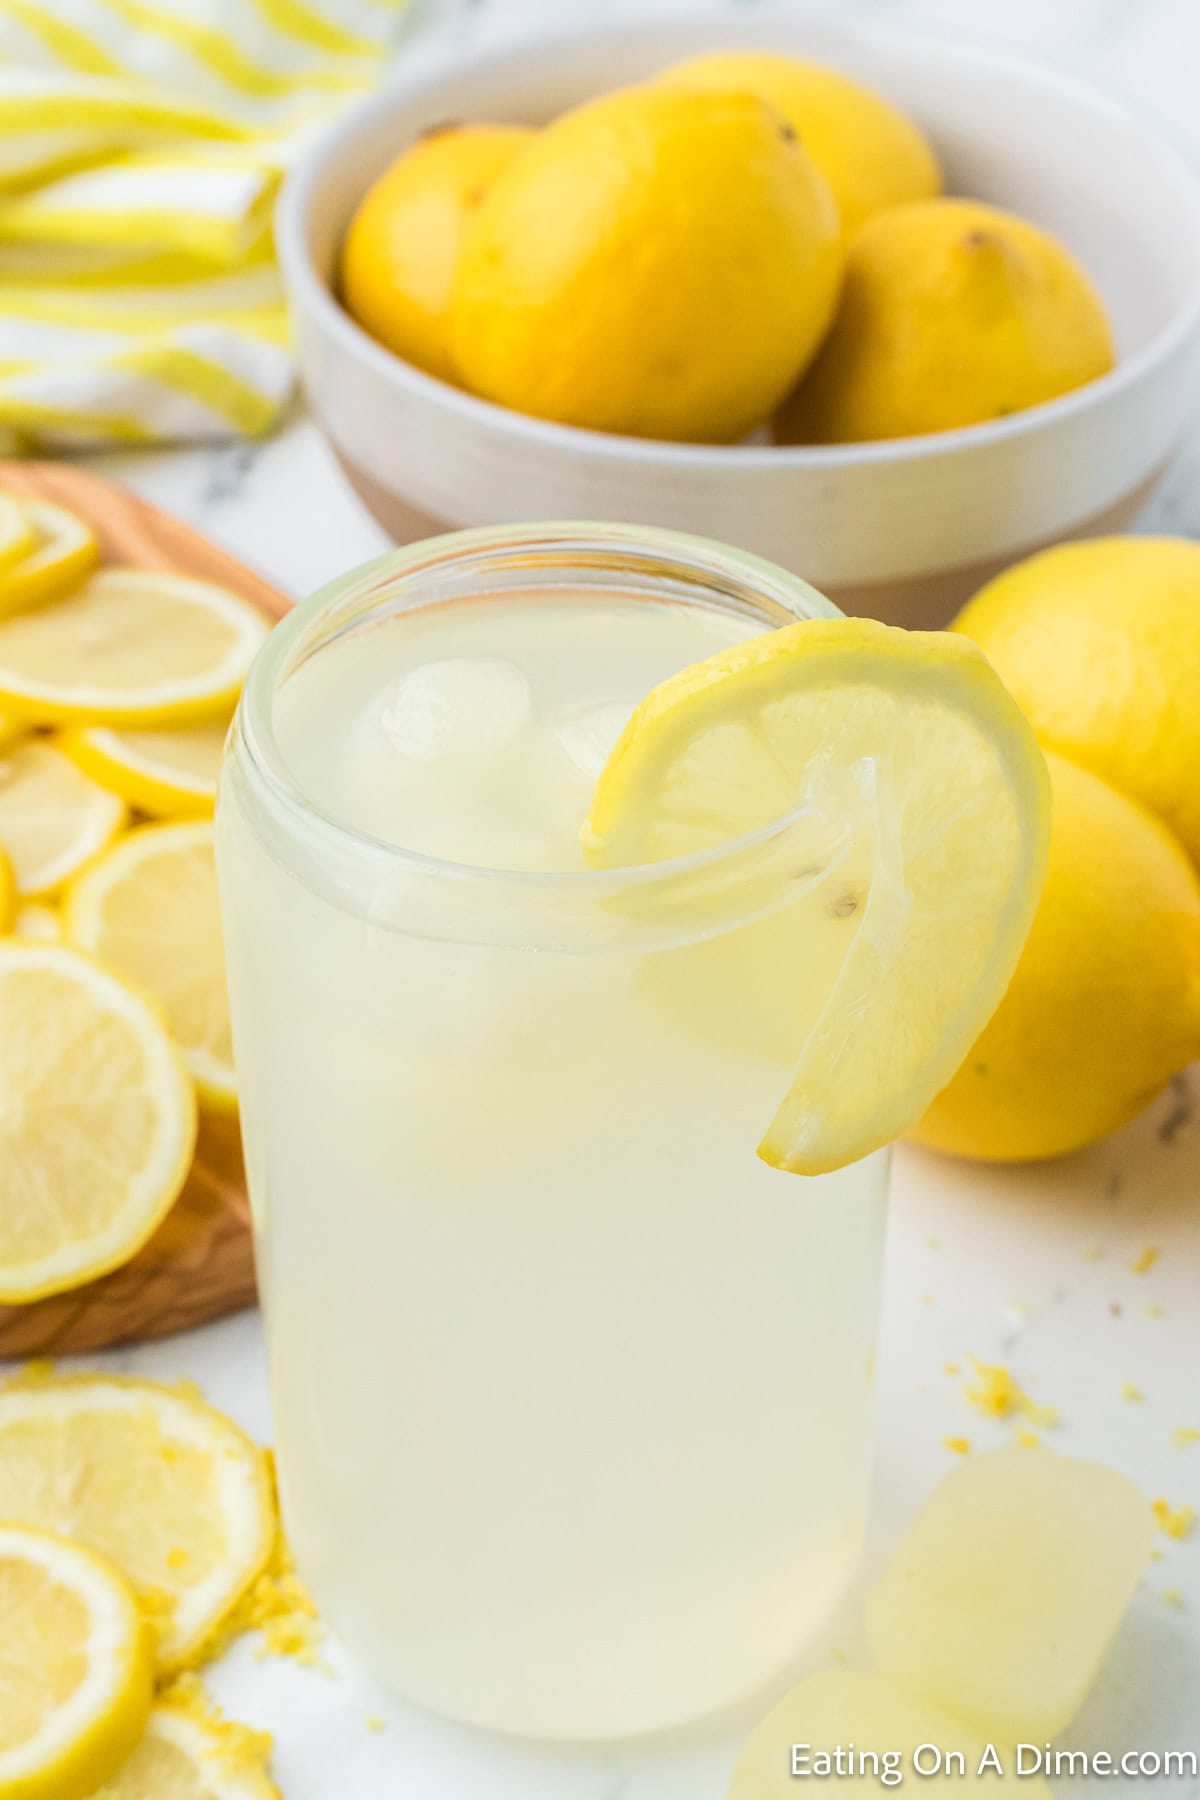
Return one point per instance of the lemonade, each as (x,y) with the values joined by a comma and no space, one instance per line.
(571,1390)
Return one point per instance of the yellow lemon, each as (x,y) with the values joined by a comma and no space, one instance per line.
(871,155)
(140,647)
(1100,644)
(152,1478)
(1105,1004)
(189,1752)
(18,533)
(658,263)
(54,553)
(97,1123)
(402,246)
(53,817)
(953,313)
(886,948)
(10,909)
(77,1663)
(169,774)
(148,909)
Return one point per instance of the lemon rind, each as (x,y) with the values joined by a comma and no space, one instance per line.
(190,1623)
(66,1269)
(186,700)
(93,1734)
(93,750)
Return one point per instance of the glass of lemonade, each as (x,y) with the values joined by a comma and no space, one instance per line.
(571,1390)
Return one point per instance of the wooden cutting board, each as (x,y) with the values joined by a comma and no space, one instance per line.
(200,1262)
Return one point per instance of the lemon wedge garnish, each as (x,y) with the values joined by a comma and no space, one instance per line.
(97,1121)
(148,909)
(58,551)
(129,647)
(172,774)
(151,1477)
(18,534)
(76,1667)
(884,971)
(53,819)
(188,1752)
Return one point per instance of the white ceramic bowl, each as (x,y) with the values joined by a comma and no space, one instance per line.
(905,528)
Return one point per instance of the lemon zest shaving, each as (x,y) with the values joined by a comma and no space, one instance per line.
(997,1392)
(278,1606)
(38,1368)
(1176,1521)
(238,1747)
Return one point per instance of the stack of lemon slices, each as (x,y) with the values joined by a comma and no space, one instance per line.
(136,1519)
(116,690)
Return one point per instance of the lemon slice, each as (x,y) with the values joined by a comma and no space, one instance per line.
(53,819)
(881,974)
(167,1488)
(97,1121)
(60,551)
(18,534)
(130,647)
(172,774)
(41,923)
(189,1753)
(76,1667)
(148,909)
(9,909)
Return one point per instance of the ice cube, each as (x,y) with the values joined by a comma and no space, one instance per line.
(460,706)
(872,1732)
(587,733)
(1005,1593)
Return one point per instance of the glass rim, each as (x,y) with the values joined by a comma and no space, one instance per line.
(760,585)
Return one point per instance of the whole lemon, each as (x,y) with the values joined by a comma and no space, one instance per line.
(1100,643)
(871,155)
(402,245)
(1104,1006)
(657,262)
(952,313)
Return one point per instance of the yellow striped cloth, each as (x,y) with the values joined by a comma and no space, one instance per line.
(141,146)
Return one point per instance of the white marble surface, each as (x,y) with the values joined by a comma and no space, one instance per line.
(1001,1263)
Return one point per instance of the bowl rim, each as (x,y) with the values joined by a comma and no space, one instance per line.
(313,294)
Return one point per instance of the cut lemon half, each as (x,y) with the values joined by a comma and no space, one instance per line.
(172,774)
(130,647)
(76,1667)
(148,909)
(53,818)
(97,1121)
(188,1752)
(151,1477)
(882,969)
(18,534)
(60,552)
